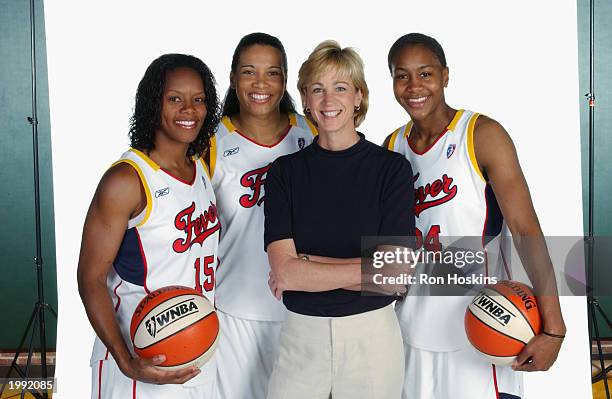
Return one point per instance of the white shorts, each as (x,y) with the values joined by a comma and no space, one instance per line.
(463,374)
(351,357)
(108,382)
(245,356)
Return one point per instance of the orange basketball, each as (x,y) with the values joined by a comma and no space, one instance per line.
(177,322)
(501,320)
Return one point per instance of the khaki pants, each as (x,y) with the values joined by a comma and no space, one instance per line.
(352,357)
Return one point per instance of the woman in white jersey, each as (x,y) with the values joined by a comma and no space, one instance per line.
(473,159)
(259,124)
(128,241)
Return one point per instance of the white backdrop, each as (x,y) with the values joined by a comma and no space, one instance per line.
(514,61)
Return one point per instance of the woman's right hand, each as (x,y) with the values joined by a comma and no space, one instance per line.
(274,286)
(146,370)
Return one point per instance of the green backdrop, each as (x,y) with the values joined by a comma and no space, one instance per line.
(602,209)
(18,290)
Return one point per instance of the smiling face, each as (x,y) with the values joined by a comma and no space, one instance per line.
(419,81)
(332,98)
(259,80)
(183,107)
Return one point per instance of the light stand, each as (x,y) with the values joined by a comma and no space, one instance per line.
(38,314)
(593,304)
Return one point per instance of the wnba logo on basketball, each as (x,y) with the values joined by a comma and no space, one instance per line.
(178,322)
(164,319)
(493,308)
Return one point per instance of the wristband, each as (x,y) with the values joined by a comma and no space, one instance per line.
(553,335)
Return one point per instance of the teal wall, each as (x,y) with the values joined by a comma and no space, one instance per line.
(18,289)
(602,209)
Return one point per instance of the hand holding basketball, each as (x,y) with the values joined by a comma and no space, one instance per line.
(539,354)
(178,323)
(502,320)
(146,370)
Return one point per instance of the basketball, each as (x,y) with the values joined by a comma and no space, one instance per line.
(501,320)
(177,322)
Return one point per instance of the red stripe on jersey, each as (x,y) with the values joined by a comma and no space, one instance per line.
(484,229)
(100,378)
(118,297)
(189,183)
(484,226)
(116,309)
(266,145)
(428,148)
(144,261)
(495,382)
(133,389)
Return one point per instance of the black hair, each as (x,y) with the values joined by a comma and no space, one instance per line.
(147,110)
(231,106)
(416,39)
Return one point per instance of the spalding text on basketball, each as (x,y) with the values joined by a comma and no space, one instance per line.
(527,299)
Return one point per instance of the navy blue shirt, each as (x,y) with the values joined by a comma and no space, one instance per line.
(326,201)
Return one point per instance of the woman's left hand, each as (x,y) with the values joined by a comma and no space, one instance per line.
(539,354)
(274,287)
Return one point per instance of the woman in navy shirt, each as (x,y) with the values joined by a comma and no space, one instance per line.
(320,202)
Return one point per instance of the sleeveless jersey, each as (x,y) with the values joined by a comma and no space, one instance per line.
(173,241)
(238,166)
(452,202)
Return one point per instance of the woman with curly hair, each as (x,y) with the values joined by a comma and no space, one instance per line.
(259,124)
(145,204)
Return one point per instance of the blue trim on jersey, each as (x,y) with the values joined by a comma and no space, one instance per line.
(507,396)
(494,217)
(129,264)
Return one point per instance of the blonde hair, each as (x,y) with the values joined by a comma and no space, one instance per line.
(329,55)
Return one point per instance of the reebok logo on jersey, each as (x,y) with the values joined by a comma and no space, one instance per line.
(162,191)
(440,191)
(450,150)
(196,229)
(231,151)
(165,318)
(254,180)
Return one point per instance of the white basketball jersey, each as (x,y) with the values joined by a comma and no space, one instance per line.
(452,200)
(238,167)
(173,241)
